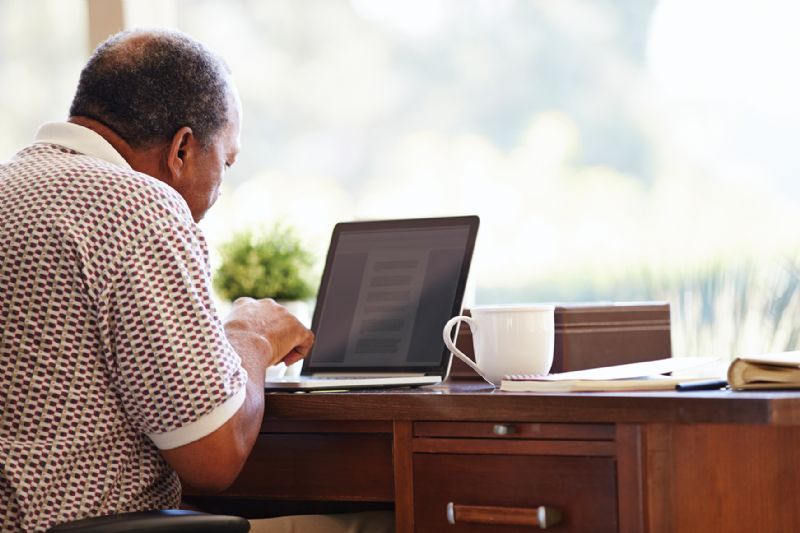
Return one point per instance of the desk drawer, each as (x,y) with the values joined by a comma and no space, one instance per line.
(323,466)
(583,489)
(515,430)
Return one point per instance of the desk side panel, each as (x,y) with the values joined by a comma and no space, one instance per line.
(723,477)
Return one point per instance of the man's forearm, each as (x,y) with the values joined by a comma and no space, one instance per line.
(254,350)
(213,462)
(262,333)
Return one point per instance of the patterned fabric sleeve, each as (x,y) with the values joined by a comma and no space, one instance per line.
(176,374)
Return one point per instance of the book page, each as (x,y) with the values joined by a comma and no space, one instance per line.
(593,385)
(778,359)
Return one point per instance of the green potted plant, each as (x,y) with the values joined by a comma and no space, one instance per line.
(274,265)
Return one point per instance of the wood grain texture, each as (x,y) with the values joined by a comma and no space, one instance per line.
(734,478)
(515,447)
(515,430)
(271,425)
(471,401)
(403,480)
(505,516)
(583,488)
(704,461)
(657,442)
(630,478)
(327,466)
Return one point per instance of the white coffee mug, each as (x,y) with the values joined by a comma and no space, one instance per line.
(508,339)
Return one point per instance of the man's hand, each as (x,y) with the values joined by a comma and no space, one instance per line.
(266,323)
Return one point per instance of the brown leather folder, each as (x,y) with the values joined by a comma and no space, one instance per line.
(589,335)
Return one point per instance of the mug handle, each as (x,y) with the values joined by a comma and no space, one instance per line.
(447,333)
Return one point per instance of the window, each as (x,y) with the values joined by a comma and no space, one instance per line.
(613,149)
(43,46)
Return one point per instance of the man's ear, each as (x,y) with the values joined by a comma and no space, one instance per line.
(179,150)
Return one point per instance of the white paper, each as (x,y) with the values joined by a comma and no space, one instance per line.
(631,370)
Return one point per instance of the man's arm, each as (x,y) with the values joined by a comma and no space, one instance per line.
(263,333)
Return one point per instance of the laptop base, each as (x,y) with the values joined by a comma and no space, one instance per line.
(312,383)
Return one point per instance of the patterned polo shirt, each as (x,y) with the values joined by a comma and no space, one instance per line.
(110,346)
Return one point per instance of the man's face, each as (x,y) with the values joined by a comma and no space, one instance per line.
(209,166)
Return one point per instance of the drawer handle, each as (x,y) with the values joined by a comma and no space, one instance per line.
(502,430)
(541,516)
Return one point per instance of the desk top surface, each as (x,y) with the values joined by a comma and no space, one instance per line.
(469,400)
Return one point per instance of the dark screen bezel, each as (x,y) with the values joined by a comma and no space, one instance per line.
(471,222)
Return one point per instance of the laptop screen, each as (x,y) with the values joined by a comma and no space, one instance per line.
(387,290)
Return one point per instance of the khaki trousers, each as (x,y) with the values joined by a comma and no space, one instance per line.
(364,522)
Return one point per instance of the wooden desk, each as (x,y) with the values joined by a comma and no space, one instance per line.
(702,461)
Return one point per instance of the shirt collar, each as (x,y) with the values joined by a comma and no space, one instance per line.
(80,139)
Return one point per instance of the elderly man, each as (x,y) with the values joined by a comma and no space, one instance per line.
(117,375)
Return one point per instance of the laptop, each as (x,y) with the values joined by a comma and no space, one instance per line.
(387,290)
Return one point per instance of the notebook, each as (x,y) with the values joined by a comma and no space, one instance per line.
(387,290)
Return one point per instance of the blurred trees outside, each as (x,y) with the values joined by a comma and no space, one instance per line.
(614,149)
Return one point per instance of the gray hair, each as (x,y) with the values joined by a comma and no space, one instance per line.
(146,85)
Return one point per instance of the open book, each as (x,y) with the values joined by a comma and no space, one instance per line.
(647,375)
(768,371)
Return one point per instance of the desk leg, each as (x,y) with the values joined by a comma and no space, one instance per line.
(403,477)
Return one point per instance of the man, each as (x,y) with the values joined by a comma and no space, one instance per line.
(116,374)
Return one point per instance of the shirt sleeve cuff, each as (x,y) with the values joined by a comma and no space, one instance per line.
(201,427)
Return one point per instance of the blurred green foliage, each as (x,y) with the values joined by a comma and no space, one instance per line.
(271,265)
(724,308)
